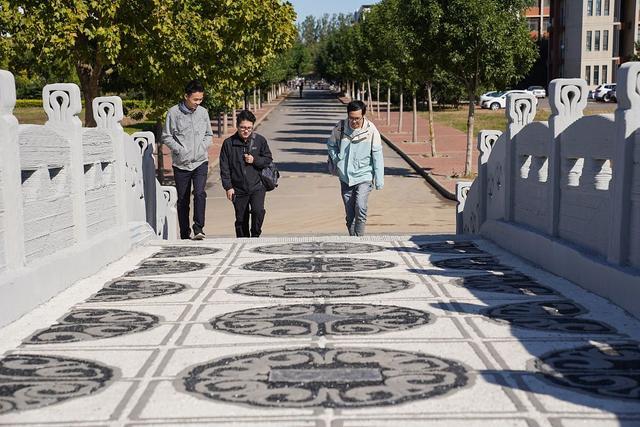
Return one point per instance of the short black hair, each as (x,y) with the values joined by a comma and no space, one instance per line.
(357,106)
(245,115)
(193,86)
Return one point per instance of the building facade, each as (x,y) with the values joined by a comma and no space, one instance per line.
(590,39)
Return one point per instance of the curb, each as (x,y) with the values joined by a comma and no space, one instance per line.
(420,171)
(431,180)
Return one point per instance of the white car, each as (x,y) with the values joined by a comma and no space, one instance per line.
(603,92)
(537,91)
(501,100)
(489,95)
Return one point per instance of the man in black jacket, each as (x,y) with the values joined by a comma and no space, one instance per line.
(242,157)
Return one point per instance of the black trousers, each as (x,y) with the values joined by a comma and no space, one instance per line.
(184,179)
(249,205)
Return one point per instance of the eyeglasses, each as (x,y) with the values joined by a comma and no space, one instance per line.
(355,119)
(246,129)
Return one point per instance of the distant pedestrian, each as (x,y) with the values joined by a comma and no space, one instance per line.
(301,87)
(243,156)
(187,132)
(355,149)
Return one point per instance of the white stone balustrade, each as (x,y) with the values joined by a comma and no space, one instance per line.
(71,198)
(565,194)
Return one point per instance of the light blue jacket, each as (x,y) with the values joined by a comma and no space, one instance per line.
(353,155)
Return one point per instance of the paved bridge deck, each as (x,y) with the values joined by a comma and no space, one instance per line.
(333,331)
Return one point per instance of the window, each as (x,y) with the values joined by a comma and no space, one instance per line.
(604,74)
(605,40)
(533,24)
(590,7)
(587,74)
(606,7)
(598,7)
(589,35)
(596,75)
(596,44)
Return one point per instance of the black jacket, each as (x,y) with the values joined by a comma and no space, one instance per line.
(235,172)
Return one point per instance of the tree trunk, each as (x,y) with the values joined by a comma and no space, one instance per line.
(432,135)
(389,106)
(378,98)
(369,97)
(89,75)
(259,99)
(414,136)
(470,122)
(255,104)
(233,117)
(401,110)
(353,89)
(225,124)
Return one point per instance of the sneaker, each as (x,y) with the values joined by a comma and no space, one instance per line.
(199,236)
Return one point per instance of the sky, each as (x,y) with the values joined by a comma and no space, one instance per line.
(320,7)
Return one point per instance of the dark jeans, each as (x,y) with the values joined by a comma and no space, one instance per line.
(249,205)
(184,178)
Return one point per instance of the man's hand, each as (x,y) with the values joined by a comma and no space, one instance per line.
(230,194)
(248,158)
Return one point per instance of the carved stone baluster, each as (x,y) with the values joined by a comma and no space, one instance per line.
(568,99)
(486,141)
(462,191)
(62,103)
(11,203)
(627,145)
(521,110)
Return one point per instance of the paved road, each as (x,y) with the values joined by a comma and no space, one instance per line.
(308,199)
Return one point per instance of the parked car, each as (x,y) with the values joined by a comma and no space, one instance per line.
(537,91)
(602,92)
(489,95)
(499,101)
(613,96)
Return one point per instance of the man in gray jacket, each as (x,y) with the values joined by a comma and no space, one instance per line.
(187,132)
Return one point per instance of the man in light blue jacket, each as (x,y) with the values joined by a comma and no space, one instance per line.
(355,149)
(187,132)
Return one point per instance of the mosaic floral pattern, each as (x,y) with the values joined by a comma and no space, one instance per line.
(303,320)
(29,381)
(611,371)
(318,248)
(124,290)
(93,324)
(184,251)
(317,265)
(161,267)
(452,248)
(482,263)
(510,283)
(324,377)
(551,316)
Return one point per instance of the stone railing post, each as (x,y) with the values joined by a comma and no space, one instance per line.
(521,110)
(144,140)
(462,191)
(108,113)
(11,203)
(568,99)
(171,197)
(627,148)
(486,140)
(61,102)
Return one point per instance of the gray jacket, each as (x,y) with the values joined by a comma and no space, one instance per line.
(189,137)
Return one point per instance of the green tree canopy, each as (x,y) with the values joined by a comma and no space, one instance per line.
(156,44)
